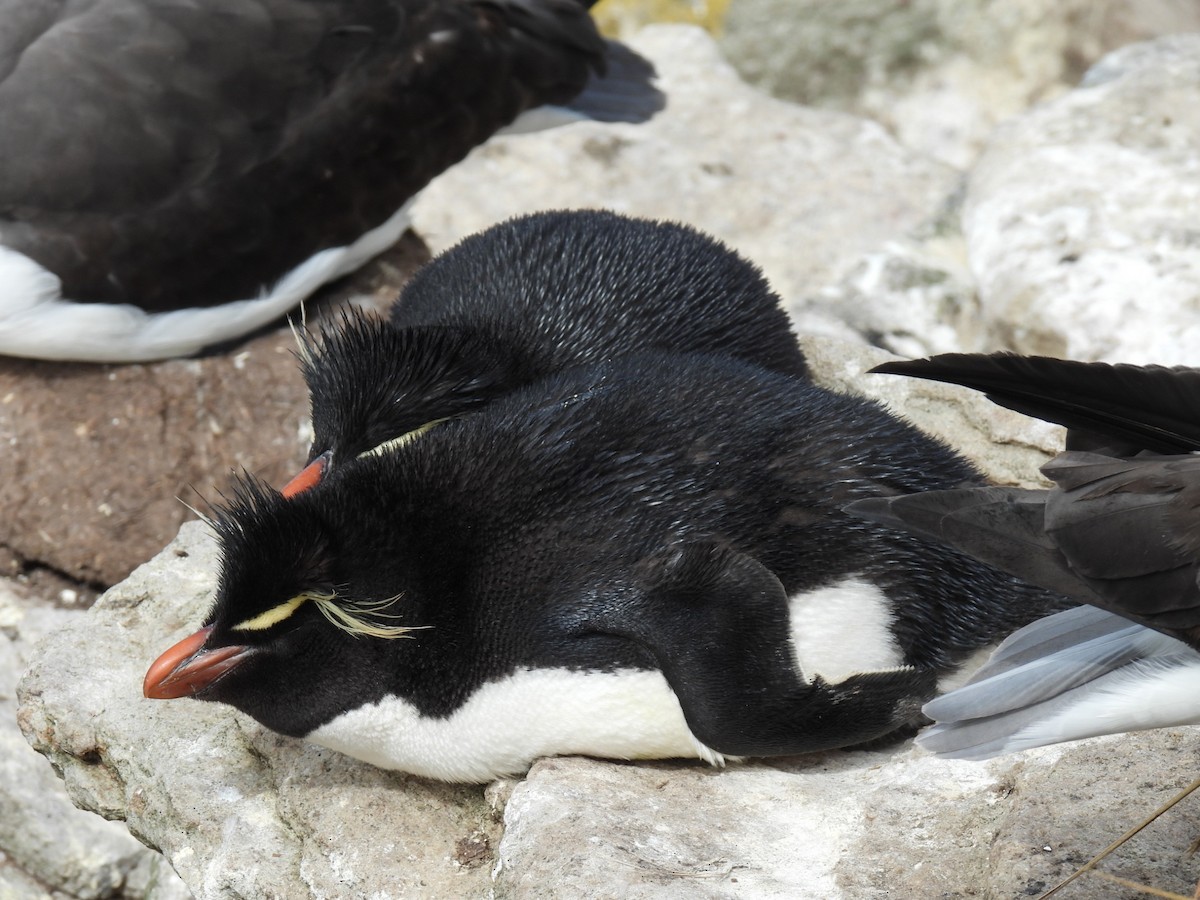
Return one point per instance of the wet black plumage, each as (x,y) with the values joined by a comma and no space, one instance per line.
(652,513)
(527,298)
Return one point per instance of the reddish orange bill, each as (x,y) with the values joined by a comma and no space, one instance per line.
(309,477)
(186,668)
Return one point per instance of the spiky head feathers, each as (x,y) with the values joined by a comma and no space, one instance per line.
(278,556)
(371,383)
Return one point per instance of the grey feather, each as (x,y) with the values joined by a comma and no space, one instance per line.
(1048,664)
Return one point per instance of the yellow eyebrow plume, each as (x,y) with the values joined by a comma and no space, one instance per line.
(406,438)
(272,616)
(359,619)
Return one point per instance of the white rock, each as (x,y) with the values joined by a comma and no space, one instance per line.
(940,74)
(1081,217)
(844,826)
(804,193)
(48,843)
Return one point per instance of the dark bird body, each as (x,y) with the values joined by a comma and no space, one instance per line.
(1120,530)
(525,299)
(175,173)
(639,558)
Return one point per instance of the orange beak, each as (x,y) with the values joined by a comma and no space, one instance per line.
(309,476)
(187,668)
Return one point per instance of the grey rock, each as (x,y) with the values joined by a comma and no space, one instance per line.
(237,810)
(849,825)
(1080,217)
(804,193)
(913,296)
(940,74)
(49,846)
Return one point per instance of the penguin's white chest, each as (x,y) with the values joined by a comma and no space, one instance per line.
(836,631)
(506,724)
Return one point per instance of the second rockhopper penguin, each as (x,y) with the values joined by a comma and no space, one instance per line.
(522,300)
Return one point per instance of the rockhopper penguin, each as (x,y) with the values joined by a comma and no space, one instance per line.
(641,558)
(178,173)
(521,300)
(1120,530)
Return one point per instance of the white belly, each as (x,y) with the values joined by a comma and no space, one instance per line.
(630,714)
(37,322)
(506,724)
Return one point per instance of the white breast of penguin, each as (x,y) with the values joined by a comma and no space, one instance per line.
(837,631)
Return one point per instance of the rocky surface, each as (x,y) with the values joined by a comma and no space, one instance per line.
(1089,198)
(46,843)
(850,825)
(239,811)
(1081,218)
(939,74)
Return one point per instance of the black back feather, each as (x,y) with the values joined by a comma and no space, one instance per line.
(529,298)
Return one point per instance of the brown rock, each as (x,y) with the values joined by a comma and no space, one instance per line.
(97,458)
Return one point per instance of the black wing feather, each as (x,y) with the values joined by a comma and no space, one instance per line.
(1146,407)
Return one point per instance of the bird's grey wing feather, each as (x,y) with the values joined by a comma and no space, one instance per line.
(1053,633)
(1134,682)
(1004,527)
(1051,658)
(1120,534)
(1130,531)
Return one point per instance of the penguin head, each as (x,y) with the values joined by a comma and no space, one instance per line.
(294,637)
(373,386)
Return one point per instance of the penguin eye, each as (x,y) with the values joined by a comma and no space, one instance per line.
(406,438)
(272,616)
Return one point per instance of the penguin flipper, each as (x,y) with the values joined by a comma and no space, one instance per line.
(717,624)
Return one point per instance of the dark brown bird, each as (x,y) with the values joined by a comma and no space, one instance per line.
(1120,530)
(176,173)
